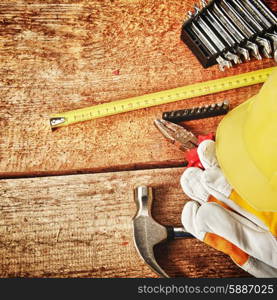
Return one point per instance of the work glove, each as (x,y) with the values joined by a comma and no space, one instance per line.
(219,217)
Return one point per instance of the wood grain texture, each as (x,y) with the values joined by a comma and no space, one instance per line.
(62,55)
(80,226)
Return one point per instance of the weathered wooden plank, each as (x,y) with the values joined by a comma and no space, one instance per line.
(60,56)
(80,226)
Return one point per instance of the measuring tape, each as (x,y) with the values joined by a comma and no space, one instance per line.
(163,97)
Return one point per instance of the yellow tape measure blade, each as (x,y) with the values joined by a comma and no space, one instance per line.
(163,97)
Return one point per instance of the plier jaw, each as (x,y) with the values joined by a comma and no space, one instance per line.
(184,139)
(177,135)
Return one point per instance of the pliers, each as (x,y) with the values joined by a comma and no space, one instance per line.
(184,139)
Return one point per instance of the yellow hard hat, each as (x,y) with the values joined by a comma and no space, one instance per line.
(246,147)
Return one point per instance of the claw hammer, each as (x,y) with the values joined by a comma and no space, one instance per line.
(148,232)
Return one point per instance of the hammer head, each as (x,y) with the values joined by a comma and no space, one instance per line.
(147,232)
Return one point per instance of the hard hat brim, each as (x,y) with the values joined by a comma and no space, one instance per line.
(236,163)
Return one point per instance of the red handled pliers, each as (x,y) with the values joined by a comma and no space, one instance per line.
(184,139)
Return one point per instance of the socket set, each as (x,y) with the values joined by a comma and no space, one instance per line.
(195,113)
(228,32)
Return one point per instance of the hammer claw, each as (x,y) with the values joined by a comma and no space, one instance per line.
(148,232)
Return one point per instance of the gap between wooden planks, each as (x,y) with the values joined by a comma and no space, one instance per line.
(81,226)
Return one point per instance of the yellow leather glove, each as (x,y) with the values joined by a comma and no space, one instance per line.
(222,219)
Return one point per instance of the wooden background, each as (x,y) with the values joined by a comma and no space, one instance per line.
(66,197)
